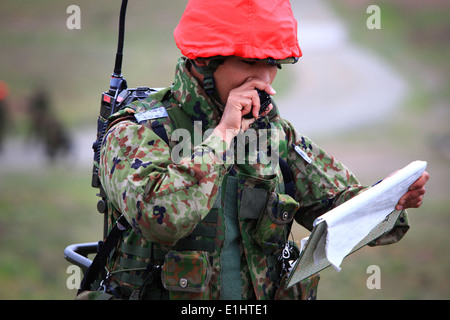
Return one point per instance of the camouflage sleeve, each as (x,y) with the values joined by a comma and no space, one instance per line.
(161,199)
(323,183)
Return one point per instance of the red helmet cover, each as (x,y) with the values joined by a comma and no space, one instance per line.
(257,29)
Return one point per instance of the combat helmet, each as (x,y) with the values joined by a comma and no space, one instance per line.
(254,29)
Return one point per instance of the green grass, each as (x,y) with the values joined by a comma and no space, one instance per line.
(414,268)
(75,65)
(414,37)
(41,213)
(418,267)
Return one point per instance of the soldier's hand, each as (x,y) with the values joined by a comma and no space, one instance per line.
(241,101)
(414,197)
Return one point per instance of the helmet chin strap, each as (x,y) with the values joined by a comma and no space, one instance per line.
(208,77)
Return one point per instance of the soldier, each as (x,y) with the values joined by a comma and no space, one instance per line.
(204,225)
(4,91)
(46,127)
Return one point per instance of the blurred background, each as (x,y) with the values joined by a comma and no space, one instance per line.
(376,99)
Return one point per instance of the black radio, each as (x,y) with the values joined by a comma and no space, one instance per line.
(264,99)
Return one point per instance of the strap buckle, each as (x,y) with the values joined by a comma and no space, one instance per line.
(104,282)
(122,223)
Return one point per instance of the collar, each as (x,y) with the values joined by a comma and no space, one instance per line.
(191,96)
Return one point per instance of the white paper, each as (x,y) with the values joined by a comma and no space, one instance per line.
(349,223)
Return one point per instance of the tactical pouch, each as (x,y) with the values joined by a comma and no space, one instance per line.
(253,194)
(272,224)
(186,275)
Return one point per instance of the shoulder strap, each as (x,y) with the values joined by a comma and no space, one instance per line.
(159,129)
(288,178)
(177,116)
(289,186)
(165,109)
(101,257)
(180,119)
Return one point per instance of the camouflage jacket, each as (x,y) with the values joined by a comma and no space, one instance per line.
(167,196)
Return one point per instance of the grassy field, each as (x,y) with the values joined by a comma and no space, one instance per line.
(41,213)
(43,209)
(413,38)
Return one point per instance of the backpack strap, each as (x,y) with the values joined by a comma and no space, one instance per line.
(289,186)
(159,129)
(101,257)
(162,108)
(180,119)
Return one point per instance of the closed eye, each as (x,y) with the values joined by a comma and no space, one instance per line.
(249,62)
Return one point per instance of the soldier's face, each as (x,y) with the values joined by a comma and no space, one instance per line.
(234,71)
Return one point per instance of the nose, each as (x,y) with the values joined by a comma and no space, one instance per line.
(266,72)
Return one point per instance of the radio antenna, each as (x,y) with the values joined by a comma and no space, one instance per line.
(118,64)
(108,107)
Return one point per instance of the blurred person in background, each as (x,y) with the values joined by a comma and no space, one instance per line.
(46,127)
(4,91)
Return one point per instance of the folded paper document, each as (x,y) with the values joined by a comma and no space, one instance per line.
(354,224)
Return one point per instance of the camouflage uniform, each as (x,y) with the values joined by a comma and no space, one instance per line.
(201,197)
